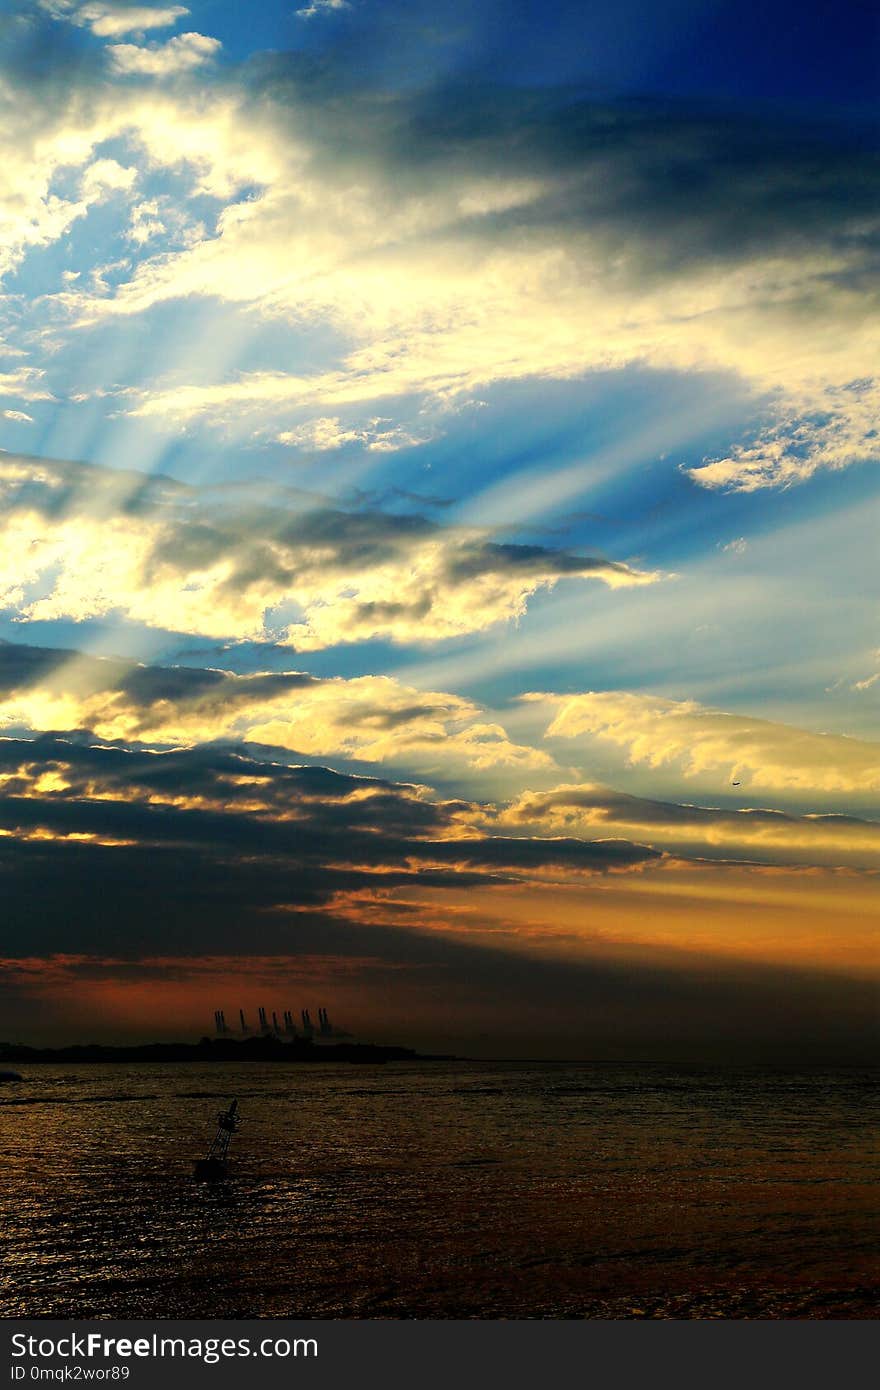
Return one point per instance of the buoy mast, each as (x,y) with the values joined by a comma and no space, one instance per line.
(213,1165)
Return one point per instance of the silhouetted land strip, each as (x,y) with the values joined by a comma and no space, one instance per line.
(219,1050)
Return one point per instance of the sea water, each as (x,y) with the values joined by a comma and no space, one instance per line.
(435,1190)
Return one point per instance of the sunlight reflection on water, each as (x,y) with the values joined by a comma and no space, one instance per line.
(440,1190)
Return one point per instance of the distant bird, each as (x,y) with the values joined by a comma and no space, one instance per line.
(736,784)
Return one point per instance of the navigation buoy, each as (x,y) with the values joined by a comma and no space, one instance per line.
(214,1165)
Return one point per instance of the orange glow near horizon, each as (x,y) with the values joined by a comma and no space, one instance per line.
(669,921)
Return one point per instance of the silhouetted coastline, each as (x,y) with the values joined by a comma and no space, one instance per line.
(260,1049)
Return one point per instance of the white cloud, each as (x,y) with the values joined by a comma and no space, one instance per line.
(145,222)
(25,383)
(868,682)
(833,429)
(196,131)
(326,433)
(525,313)
(322,7)
(18,415)
(109,21)
(180,54)
(436,311)
(106,175)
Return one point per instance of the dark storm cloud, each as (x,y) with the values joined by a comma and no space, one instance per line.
(156,913)
(683,184)
(210,774)
(184,824)
(526,854)
(681,179)
(147,686)
(234,883)
(522,559)
(671,181)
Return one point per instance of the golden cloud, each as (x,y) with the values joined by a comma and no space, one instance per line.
(778,836)
(162,555)
(369,718)
(703,742)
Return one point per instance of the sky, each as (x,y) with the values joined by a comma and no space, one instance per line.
(439,500)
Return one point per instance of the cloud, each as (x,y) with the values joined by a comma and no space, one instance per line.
(775,836)
(533,855)
(701,742)
(373,719)
(215,864)
(89,814)
(224,832)
(25,383)
(40,153)
(81,542)
(459,237)
(19,416)
(327,433)
(56,119)
(109,21)
(376,719)
(455,238)
(530,236)
(322,7)
(178,55)
(842,432)
(246,806)
(106,175)
(145,222)
(867,682)
(214,780)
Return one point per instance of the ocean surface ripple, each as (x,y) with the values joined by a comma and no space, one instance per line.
(438,1190)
